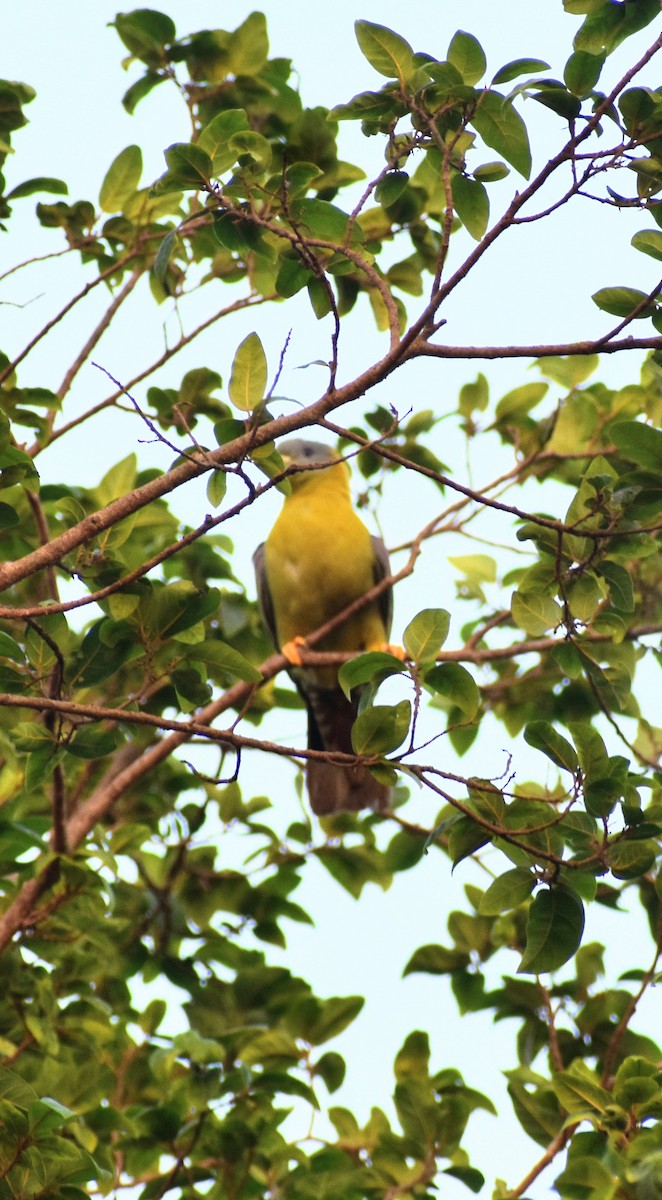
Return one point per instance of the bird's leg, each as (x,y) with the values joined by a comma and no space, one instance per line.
(291,651)
(394,649)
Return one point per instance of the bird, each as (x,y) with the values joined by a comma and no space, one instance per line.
(317,559)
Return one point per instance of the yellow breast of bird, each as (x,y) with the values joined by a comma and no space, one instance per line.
(319,558)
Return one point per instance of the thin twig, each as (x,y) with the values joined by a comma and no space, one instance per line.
(99,331)
(89,287)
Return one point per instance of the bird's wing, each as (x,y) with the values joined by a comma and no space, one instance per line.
(381,568)
(264,600)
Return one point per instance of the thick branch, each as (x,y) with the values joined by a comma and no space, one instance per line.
(425,349)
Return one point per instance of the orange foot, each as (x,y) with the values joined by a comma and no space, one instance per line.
(396,651)
(291,650)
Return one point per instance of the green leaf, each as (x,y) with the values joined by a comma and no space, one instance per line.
(503,130)
(248,379)
(41,183)
(536,1107)
(406,276)
(553,930)
(165,252)
(569,372)
(49,1114)
(578,1089)
(249,45)
(631,859)
(378,106)
(640,443)
(593,757)
(487,801)
(520,401)
(404,850)
(465,837)
(466,53)
(326,221)
(507,892)
(582,72)
(622,301)
(457,686)
(30,735)
(490,172)
(121,180)
(9,518)
(145,33)
(543,736)
(477,568)
(217,485)
(535,613)
(299,176)
(17,467)
(320,298)
(649,241)
(252,149)
(520,66)
(391,187)
(226,659)
(386,51)
(189,168)
(118,480)
(471,204)
(413,1057)
(372,667)
(331,1017)
(608,24)
(474,397)
(469,1176)
(382,728)
(619,584)
(236,233)
(435,960)
(141,88)
(353,866)
(426,634)
(331,1068)
(92,744)
(216,135)
(587,1177)
(291,278)
(10,649)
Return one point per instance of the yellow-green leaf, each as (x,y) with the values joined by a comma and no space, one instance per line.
(122,179)
(248,379)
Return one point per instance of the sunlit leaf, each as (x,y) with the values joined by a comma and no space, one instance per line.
(248,379)
(426,634)
(121,179)
(502,128)
(385,50)
(466,53)
(457,686)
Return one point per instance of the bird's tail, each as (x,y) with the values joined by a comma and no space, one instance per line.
(333,788)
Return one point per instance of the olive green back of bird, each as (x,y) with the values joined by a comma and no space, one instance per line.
(318,558)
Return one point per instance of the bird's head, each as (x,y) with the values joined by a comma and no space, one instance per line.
(297,452)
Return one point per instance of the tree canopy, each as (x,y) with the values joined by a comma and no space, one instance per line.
(142,707)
